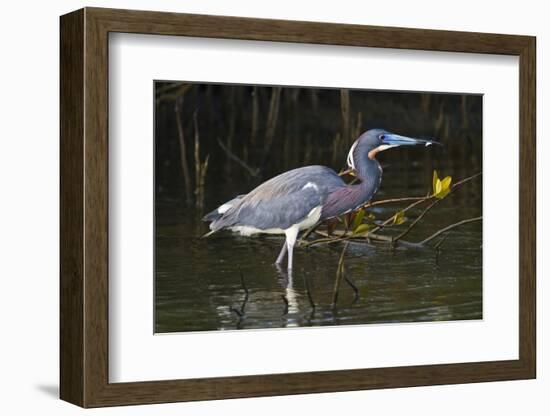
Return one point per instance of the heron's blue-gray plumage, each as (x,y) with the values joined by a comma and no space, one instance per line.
(218,212)
(282,201)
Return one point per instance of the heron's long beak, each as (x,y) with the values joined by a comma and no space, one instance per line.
(392,140)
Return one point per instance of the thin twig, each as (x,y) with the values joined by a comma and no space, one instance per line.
(308,292)
(438,246)
(416,220)
(252,171)
(236,311)
(440,242)
(352,285)
(448,228)
(390,219)
(240,312)
(243,284)
(339,273)
(183,155)
(328,240)
(341,236)
(393,200)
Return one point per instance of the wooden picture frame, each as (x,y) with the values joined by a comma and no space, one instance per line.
(84,207)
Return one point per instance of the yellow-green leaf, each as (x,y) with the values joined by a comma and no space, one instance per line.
(446,183)
(444,188)
(399,218)
(434,182)
(362,228)
(437,187)
(443,193)
(358,219)
(441,187)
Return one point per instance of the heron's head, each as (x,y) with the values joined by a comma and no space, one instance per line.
(377,140)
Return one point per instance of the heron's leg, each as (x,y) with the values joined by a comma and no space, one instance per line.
(291,234)
(281,254)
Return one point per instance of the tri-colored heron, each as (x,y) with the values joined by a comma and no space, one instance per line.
(298,199)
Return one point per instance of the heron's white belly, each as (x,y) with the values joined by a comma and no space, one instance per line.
(309,221)
(311,218)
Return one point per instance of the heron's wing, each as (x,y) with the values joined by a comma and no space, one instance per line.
(218,212)
(341,201)
(282,201)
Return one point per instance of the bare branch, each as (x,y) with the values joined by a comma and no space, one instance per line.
(417,219)
(254,172)
(449,228)
(183,155)
(339,274)
(393,200)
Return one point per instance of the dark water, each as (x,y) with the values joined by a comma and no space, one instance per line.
(198,281)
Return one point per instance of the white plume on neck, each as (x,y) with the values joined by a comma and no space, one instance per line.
(351,163)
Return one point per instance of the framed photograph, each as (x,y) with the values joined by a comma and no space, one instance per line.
(255,207)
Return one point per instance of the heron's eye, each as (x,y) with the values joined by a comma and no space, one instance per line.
(382,137)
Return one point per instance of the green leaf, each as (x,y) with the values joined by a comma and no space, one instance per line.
(358,219)
(362,228)
(399,218)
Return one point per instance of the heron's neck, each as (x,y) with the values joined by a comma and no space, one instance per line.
(369,172)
